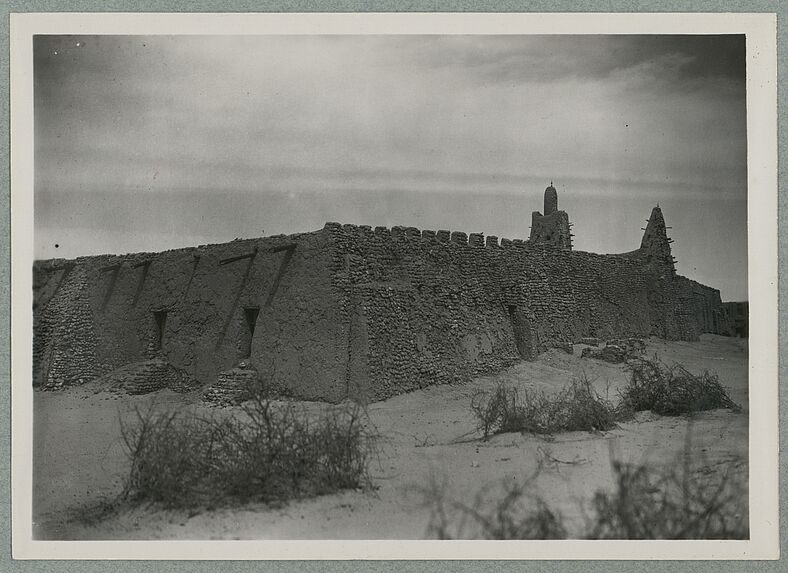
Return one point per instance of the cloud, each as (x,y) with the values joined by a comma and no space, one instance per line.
(253,123)
(413,102)
(668,58)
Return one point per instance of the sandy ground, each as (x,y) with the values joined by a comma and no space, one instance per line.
(430,441)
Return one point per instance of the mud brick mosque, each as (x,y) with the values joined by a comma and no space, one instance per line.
(352,311)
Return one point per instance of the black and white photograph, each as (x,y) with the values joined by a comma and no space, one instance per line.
(404,283)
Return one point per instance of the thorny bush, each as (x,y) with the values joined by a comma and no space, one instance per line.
(268,452)
(576,407)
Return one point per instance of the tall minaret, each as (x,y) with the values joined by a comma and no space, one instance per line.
(656,242)
(550,200)
(655,235)
(552,228)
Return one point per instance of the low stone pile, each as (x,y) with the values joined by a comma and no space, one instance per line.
(612,354)
(233,386)
(148,376)
(632,345)
(616,351)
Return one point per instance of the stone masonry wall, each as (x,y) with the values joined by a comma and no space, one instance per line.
(148,376)
(553,229)
(700,308)
(64,344)
(736,316)
(354,311)
(432,307)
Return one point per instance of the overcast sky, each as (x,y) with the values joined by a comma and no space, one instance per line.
(147,143)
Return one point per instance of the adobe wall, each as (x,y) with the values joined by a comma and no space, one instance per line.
(736,318)
(64,341)
(701,309)
(356,311)
(432,307)
(100,315)
(552,229)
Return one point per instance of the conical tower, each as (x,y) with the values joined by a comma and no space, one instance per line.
(656,242)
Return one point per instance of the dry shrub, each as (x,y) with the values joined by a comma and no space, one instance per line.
(576,407)
(516,514)
(671,504)
(580,407)
(271,453)
(497,412)
(665,390)
(645,503)
(673,390)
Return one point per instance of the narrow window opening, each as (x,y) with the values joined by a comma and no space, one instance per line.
(250,314)
(160,317)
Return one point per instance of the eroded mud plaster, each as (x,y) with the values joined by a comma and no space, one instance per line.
(355,311)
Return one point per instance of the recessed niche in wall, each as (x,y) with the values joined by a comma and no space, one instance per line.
(160,318)
(250,316)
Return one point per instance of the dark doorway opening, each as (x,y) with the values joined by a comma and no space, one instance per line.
(250,316)
(160,318)
(523,335)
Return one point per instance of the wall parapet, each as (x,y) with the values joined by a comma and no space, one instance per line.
(414,234)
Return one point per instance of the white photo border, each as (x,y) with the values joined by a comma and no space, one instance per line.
(760,30)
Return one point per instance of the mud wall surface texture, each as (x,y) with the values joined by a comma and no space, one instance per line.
(552,229)
(202,309)
(64,341)
(355,311)
(426,307)
(736,316)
